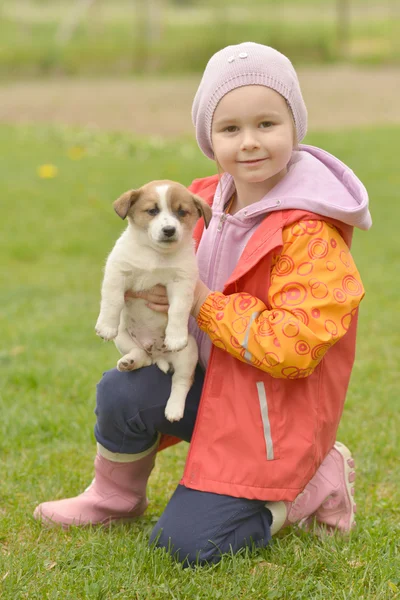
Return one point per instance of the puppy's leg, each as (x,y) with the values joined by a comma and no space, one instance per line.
(162,364)
(124,342)
(135,357)
(184,364)
(112,302)
(180,295)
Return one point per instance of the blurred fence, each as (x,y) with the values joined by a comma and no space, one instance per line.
(41,37)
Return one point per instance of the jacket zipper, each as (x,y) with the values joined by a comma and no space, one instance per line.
(222,220)
(210,277)
(220,226)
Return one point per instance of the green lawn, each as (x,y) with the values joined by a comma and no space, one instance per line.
(55,235)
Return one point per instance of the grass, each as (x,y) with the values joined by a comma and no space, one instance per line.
(56,233)
(108,41)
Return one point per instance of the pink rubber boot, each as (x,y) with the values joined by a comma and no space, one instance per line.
(118,492)
(328,499)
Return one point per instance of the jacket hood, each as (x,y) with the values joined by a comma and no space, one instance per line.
(320,183)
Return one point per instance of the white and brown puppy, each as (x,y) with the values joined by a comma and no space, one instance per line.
(156,248)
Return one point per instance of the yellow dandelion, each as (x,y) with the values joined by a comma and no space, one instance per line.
(76,152)
(47,171)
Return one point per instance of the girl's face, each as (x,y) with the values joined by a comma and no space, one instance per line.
(253,135)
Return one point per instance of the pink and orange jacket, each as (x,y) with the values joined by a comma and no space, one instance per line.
(277,336)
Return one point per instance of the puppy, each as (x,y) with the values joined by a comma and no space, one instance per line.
(156,248)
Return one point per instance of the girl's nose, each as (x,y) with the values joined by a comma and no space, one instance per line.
(249,141)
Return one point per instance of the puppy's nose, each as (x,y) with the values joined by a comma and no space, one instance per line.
(168,231)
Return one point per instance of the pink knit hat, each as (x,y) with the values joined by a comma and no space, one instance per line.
(245,64)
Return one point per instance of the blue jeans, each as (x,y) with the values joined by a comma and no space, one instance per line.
(196,527)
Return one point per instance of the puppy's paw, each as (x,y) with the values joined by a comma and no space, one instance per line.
(126,364)
(105,332)
(163,365)
(175,343)
(174,411)
(131,362)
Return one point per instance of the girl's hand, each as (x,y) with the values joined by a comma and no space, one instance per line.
(156,297)
(201,291)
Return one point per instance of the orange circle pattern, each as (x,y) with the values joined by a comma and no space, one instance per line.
(220,302)
(320,306)
(291,294)
(317,248)
(264,328)
(311,227)
(339,295)
(291,329)
(319,289)
(330,265)
(243,302)
(301,315)
(276,316)
(284,266)
(351,286)
(302,347)
(305,268)
(319,350)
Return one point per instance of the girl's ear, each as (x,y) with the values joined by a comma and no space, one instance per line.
(295,140)
(203,209)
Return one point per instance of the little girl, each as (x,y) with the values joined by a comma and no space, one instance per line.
(275,313)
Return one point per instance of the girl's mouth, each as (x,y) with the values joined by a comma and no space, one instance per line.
(256,161)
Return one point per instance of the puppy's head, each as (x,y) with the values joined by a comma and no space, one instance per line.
(164,210)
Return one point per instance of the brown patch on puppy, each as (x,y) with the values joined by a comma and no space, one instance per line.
(182,206)
(134,204)
(124,203)
(203,209)
(187,207)
(146,208)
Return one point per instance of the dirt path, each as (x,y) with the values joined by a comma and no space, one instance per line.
(337,97)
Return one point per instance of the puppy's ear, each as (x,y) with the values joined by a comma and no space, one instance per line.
(203,209)
(124,202)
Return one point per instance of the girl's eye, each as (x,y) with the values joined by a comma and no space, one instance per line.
(266,124)
(153,211)
(181,212)
(230,128)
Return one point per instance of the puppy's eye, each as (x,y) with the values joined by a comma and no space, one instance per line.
(182,213)
(153,211)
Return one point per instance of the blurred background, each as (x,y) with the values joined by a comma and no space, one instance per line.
(347,53)
(82,37)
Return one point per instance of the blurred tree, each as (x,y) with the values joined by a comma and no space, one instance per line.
(343,26)
(67,27)
(149,20)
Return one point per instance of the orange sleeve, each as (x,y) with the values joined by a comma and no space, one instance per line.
(314,293)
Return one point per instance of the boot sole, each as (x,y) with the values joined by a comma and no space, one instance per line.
(107,522)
